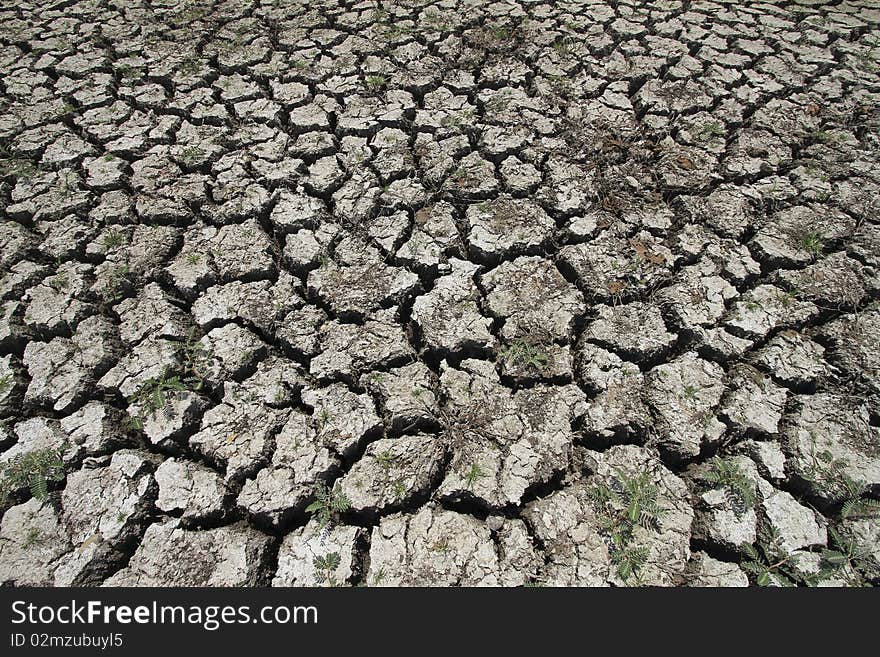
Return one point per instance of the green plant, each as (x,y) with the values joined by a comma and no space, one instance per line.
(463,175)
(823,136)
(196,360)
(629,560)
(193,258)
(829,473)
(127,72)
(191,154)
(812,241)
(328,502)
(787,298)
(115,281)
(475,473)
(68,184)
(769,562)
(32,470)
(627,503)
(846,559)
(189,65)
(375,82)
(153,394)
(639,497)
(385,459)
(498,103)
(5,384)
(32,538)
(563,46)
(501,32)
(740,489)
(709,131)
(398,488)
(59,282)
(848,490)
(525,354)
(13,164)
(436,21)
(326,566)
(395,30)
(856,506)
(190,13)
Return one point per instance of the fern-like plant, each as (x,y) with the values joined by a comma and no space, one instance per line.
(153,394)
(328,503)
(326,566)
(32,470)
(639,496)
(196,360)
(740,490)
(769,562)
(628,502)
(629,560)
(831,474)
(855,505)
(846,559)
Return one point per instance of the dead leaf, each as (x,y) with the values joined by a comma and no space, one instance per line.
(639,247)
(609,144)
(615,287)
(610,203)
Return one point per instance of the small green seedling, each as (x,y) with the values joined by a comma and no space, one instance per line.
(328,503)
(153,394)
(375,82)
(385,459)
(326,566)
(812,241)
(475,473)
(398,490)
(113,239)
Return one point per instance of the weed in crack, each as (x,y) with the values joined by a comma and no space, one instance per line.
(32,470)
(630,501)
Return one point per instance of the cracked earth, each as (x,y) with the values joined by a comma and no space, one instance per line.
(528,293)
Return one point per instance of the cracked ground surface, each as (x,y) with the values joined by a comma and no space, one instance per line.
(569,293)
